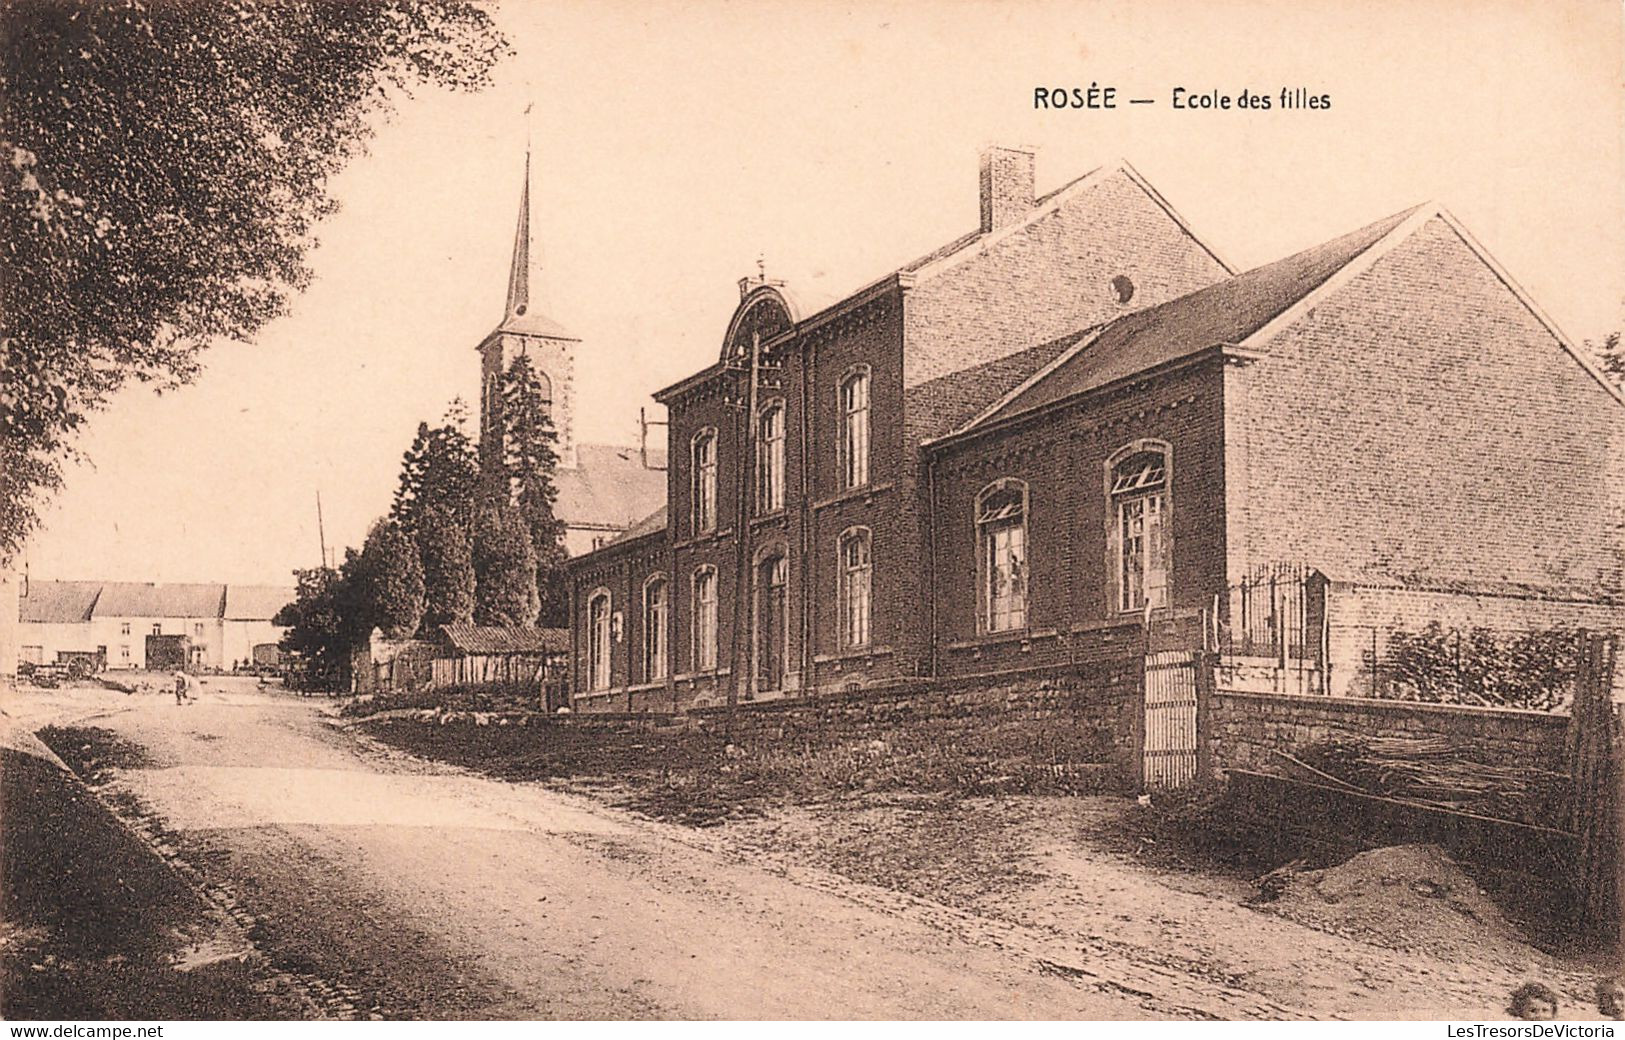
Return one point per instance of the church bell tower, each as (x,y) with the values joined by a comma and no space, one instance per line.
(526,330)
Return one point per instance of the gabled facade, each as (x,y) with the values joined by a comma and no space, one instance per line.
(831,503)
(1078,430)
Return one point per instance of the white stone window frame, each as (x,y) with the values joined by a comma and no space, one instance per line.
(853,444)
(703,612)
(600,641)
(856,625)
(1145,490)
(703,481)
(656,655)
(997,613)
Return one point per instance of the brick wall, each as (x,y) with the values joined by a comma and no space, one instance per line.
(1065,717)
(1420,425)
(1245,729)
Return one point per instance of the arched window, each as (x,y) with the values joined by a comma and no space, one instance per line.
(772,620)
(770,458)
(854,440)
(654,628)
(1138,494)
(855,573)
(705,619)
(1001,533)
(598,642)
(703,476)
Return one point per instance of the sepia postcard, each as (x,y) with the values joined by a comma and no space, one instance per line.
(811,511)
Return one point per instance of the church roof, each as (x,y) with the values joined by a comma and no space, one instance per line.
(609,487)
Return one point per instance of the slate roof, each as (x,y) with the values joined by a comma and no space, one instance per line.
(145,599)
(1226,312)
(58,602)
(610,486)
(494,640)
(257,602)
(655,521)
(535,323)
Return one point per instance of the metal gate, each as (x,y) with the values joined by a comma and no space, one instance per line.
(1172,701)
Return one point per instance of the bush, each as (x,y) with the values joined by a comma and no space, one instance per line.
(495,697)
(1533,670)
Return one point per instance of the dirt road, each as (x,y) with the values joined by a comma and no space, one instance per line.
(387,886)
(416,891)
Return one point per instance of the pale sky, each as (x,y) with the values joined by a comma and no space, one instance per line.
(676,143)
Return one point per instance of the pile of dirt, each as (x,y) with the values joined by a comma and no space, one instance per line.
(1407,897)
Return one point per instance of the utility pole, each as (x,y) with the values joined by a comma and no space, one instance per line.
(321,532)
(740,663)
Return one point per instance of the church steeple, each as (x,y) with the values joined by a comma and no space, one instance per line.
(519,281)
(526,329)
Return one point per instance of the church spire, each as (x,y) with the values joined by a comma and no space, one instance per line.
(519,275)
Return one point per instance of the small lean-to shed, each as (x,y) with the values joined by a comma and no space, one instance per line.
(505,654)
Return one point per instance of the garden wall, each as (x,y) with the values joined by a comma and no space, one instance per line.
(1245,730)
(1062,722)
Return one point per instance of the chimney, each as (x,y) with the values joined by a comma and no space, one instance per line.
(1007,186)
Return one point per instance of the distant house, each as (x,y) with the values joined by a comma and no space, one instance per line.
(111,621)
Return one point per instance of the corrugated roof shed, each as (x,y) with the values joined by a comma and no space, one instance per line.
(58,602)
(138,599)
(1224,313)
(257,602)
(487,639)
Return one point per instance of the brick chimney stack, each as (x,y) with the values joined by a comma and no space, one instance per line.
(1007,186)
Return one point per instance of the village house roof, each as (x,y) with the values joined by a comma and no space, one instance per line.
(257,602)
(609,486)
(58,602)
(145,599)
(1243,312)
(959,250)
(510,639)
(66,602)
(1226,312)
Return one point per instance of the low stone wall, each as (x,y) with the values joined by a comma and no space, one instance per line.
(1058,718)
(1245,730)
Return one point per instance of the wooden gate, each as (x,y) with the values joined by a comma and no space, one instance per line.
(1171,740)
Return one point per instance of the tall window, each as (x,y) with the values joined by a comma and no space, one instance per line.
(1001,530)
(770,458)
(654,629)
(598,641)
(704,477)
(855,572)
(855,429)
(705,619)
(1139,502)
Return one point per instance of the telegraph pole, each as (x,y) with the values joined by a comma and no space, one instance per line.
(740,665)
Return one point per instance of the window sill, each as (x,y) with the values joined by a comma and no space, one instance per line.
(704,539)
(775,517)
(691,677)
(856,653)
(1024,636)
(867,492)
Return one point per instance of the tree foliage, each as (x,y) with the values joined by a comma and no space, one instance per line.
(530,457)
(504,568)
(163,167)
(389,578)
(448,571)
(439,473)
(325,624)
